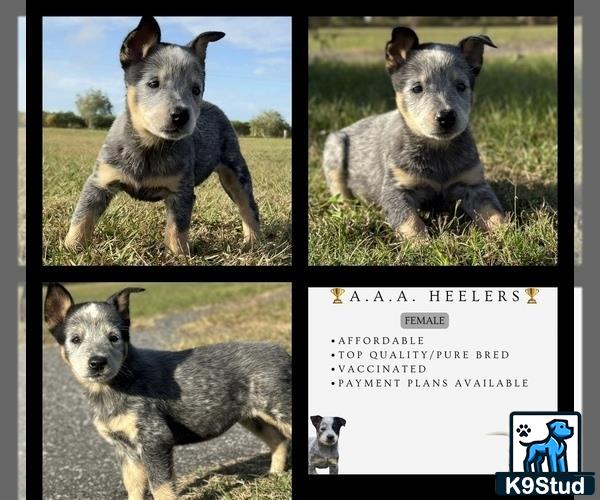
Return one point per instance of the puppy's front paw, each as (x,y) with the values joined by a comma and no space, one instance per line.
(489,219)
(413,228)
(177,241)
(78,236)
(252,236)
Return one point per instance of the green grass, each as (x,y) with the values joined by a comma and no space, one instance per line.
(239,481)
(168,298)
(368,42)
(514,122)
(131,232)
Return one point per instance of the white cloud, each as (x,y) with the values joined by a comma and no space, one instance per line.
(274,61)
(88,33)
(260,34)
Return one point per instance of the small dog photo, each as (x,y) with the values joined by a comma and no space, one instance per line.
(323,450)
(139,113)
(167,389)
(432,141)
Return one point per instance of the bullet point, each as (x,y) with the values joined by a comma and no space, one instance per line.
(332,383)
(333,369)
(333,355)
(332,341)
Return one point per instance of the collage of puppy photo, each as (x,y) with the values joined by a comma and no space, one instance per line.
(170,249)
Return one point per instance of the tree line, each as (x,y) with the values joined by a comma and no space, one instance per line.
(95,112)
(414,21)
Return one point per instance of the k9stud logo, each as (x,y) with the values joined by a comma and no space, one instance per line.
(545,456)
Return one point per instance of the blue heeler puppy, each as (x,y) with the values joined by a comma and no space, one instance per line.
(421,154)
(145,402)
(323,448)
(166,142)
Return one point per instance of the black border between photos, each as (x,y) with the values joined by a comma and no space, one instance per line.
(299,274)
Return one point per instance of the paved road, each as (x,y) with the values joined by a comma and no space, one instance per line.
(79,464)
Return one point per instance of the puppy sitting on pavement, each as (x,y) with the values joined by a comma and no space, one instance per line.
(145,402)
(167,141)
(323,449)
(422,154)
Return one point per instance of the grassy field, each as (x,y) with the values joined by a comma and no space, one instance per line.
(162,299)
(346,43)
(514,123)
(131,232)
(230,311)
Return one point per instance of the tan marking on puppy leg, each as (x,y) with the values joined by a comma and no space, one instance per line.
(164,492)
(176,241)
(147,138)
(135,479)
(413,228)
(106,174)
(103,430)
(338,183)
(409,181)
(488,218)
(126,424)
(80,232)
(284,427)
(279,457)
(274,439)
(250,226)
(469,177)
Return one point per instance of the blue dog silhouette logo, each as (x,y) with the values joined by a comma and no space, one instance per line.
(545,456)
(553,448)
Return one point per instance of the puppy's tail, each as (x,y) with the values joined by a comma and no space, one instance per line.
(335,164)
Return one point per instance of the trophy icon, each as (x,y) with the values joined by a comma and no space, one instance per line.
(337,292)
(532,292)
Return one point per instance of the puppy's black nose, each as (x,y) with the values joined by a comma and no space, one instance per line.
(97,363)
(180,117)
(446,118)
(330,437)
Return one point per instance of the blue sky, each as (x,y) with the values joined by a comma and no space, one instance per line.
(248,71)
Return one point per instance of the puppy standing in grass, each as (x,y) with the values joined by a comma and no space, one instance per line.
(166,142)
(423,153)
(145,402)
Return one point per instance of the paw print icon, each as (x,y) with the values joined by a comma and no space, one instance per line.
(523,430)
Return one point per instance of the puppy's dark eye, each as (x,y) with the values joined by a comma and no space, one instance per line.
(113,338)
(461,87)
(417,89)
(76,339)
(153,84)
(196,90)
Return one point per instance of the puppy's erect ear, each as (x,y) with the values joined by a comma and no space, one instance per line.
(339,421)
(472,49)
(200,43)
(316,420)
(120,301)
(57,304)
(397,50)
(137,44)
